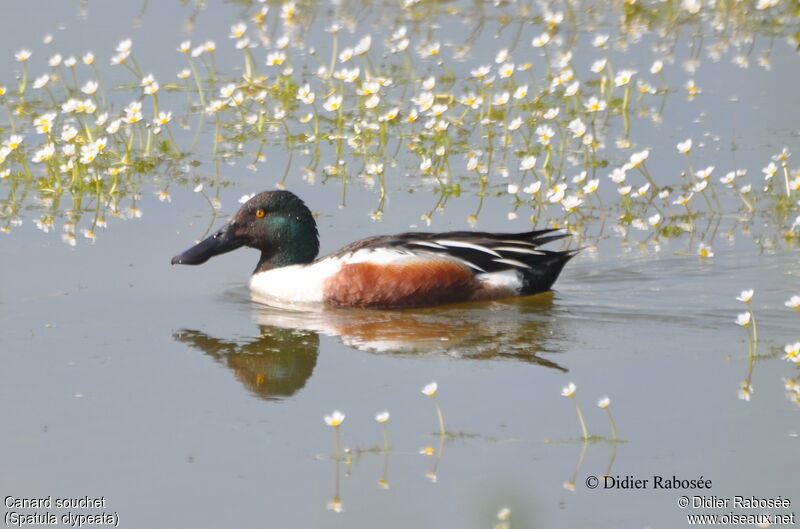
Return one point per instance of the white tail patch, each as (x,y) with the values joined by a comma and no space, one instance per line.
(505,279)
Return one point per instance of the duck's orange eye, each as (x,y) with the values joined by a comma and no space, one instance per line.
(260,213)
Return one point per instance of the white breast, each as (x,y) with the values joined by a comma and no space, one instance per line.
(297,283)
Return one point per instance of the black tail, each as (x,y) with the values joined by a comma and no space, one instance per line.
(544,271)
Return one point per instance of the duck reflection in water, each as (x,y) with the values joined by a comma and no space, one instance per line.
(281,358)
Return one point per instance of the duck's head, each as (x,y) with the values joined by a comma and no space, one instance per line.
(276,222)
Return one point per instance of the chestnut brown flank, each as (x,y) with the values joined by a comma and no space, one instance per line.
(407,285)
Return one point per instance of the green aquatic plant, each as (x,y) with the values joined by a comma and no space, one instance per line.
(503,517)
(430,390)
(383,418)
(335,420)
(747,320)
(605,404)
(411,103)
(569,391)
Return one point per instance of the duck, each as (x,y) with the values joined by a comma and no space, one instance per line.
(413,269)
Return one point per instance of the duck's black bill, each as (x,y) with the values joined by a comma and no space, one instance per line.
(223,241)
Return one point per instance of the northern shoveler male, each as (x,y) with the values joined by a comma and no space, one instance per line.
(389,271)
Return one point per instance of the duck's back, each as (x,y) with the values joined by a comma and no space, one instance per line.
(418,269)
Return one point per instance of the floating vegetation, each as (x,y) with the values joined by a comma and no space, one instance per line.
(536,103)
(748,321)
(605,404)
(790,352)
(569,391)
(503,519)
(430,391)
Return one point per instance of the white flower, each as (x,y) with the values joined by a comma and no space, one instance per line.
(704,250)
(163,118)
(769,171)
(89,88)
(382,417)
(793,303)
(541,40)
(22,55)
(638,158)
(595,105)
(533,188)
(44,123)
(623,77)
(656,67)
(604,403)
(577,128)
(692,6)
(276,58)
(591,186)
(704,173)
(481,71)
(506,70)
(617,175)
(502,56)
(599,65)
(792,352)
(333,103)
(568,390)
(746,295)
(527,163)
(571,202)
(13,141)
(44,154)
(41,82)
(743,319)
(685,146)
(544,133)
(500,99)
(237,30)
(363,45)
(556,193)
(68,133)
(745,391)
(430,389)
(600,40)
(334,419)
